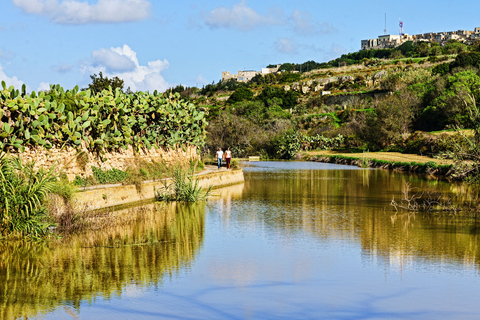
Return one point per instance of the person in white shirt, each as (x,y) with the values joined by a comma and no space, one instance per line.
(228,157)
(219,157)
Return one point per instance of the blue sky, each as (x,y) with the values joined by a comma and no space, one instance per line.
(159,44)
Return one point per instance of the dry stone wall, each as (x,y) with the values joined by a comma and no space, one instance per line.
(79,162)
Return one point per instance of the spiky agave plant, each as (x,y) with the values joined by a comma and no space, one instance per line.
(23,192)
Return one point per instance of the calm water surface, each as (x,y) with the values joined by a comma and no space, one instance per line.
(297,241)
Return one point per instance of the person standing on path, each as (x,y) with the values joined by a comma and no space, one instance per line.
(228,157)
(219,157)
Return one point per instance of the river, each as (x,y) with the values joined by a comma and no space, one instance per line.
(297,240)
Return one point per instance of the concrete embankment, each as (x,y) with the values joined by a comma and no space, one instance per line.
(106,196)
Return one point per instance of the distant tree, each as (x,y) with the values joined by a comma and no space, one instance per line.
(277,96)
(407,48)
(422,49)
(435,50)
(466,59)
(241,94)
(100,83)
(452,105)
(185,92)
(391,121)
(287,67)
(258,79)
(454,47)
(441,69)
(270,78)
(289,77)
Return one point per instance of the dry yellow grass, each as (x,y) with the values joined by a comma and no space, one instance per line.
(388,156)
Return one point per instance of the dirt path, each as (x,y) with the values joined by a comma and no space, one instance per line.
(388,156)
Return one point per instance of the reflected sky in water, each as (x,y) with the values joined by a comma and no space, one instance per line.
(302,240)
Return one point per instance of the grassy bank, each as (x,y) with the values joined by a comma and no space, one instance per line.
(384,160)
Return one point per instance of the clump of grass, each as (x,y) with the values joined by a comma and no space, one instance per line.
(364,161)
(182,188)
(64,188)
(234,163)
(23,195)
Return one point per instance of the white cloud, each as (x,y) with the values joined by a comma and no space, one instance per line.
(43,86)
(10,81)
(326,28)
(285,45)
(122,62)
(334,52)
(303,23)
(6,55)
(241,17)
(114,59)
(201,81)
(63,68)
(81,12)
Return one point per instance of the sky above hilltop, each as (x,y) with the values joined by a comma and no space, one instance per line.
(154,44)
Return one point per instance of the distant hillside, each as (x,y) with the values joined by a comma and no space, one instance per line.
(370,100)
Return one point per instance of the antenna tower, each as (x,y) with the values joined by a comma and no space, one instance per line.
(401,27)
(385,30)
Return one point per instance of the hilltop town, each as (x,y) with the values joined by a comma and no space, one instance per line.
(388,41)
(393,40)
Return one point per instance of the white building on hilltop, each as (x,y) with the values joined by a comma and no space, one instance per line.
(247,75)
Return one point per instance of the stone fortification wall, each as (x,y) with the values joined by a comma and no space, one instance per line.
(79,162)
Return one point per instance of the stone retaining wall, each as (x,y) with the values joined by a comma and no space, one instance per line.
(99,197)
(79,162)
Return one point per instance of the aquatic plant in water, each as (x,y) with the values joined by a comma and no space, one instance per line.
(182,188)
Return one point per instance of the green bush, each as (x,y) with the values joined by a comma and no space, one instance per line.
(109,176)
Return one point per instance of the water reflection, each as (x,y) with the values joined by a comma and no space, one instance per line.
(37,278)
(295,241)
(354,205)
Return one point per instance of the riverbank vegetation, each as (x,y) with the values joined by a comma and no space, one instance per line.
(416,98)
(34,202)
(98,119)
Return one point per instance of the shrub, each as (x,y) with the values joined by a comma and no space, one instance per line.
(241,94)
(441,69)
(466,59)
(109,176)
